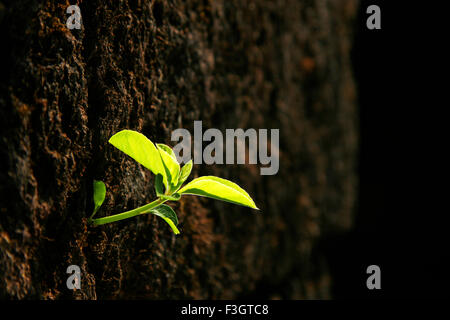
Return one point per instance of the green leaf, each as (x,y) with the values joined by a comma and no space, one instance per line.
(220,189)
(167,213)
(141,149)
(184,173)
(159,186)
(167,149)
(99,195)
(171,165)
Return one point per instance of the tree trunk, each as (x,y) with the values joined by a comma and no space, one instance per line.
(153,67)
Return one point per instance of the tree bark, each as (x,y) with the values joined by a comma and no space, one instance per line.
(155,66)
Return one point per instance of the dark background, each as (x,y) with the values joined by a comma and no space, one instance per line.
(400,225)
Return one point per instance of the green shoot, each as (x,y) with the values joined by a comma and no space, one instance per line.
(161,160)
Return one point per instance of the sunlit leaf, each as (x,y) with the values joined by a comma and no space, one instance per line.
(220,189)
(167,213)
(170,164)
(184,173)
(141,149)
(167,149)
(99,195)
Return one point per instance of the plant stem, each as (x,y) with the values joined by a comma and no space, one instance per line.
(93,214)
(128,214)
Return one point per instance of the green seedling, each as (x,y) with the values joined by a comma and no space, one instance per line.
(161,160)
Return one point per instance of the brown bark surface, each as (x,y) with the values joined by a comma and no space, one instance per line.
(154,66)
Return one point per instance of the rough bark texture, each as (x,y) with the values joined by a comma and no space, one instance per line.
(154,66)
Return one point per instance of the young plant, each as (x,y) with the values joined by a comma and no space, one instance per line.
(161,160)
